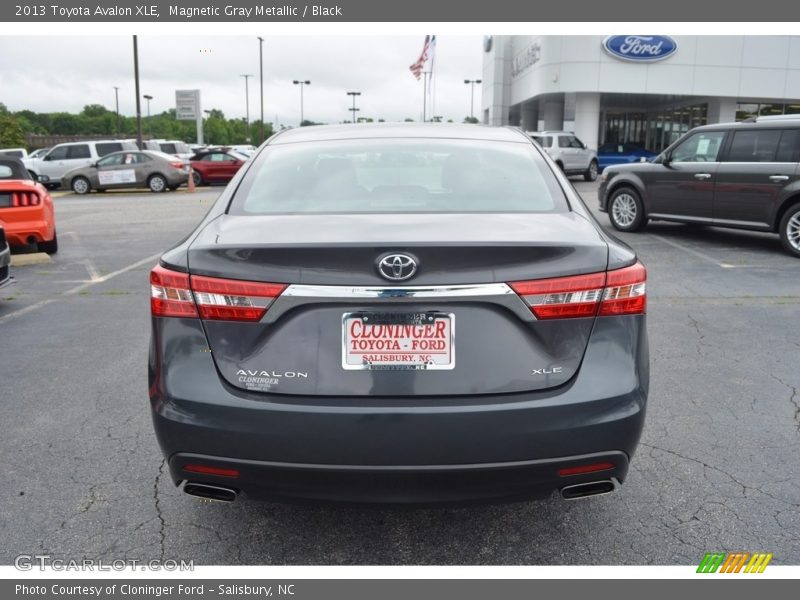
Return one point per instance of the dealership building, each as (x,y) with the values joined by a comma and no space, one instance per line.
(643,89)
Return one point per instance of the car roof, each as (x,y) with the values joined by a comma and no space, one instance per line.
(397,130)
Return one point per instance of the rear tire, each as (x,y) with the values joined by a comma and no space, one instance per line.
(157,183)
(81,185)
(789,230)
(591,172)
(198,179)
(625,210)
(50,247)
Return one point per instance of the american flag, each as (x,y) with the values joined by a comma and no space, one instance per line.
(428,49)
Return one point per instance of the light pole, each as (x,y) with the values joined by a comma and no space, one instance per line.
(247,108)
(301,84)
(354,109)
(208,116)
(472,83)
(261,72)
(138,99)
(116,98)
(149,124)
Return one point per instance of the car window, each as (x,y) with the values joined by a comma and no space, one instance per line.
(107,148)
(755,145)
(110,161)
(789,146)
(79,151)
(575,143)
(563,141)
(417,176)
(168,148)
(58,153)
(6,172)
(15,153)
(218,157)
(699,147)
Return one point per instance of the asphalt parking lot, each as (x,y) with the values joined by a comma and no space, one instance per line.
(718,468)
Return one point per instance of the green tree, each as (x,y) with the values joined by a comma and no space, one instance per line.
(471,120)
(11,133)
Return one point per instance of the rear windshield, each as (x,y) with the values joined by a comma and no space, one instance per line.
(398,175)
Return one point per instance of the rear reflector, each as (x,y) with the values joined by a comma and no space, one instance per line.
(618,292)
(174,294)
(593,468)
(207,470)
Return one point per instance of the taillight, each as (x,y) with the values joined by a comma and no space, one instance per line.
(233,300)
(170,295)
(618,292)
(176,165)
(25,199)
(625,291)
(174,294)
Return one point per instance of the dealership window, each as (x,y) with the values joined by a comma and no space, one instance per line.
(747,110)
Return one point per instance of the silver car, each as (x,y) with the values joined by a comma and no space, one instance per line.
(129,169)
(570,154)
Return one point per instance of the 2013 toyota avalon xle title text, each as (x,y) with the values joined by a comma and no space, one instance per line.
(398,313)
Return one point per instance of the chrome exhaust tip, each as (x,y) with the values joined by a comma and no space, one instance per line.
(209,492)
(590,488)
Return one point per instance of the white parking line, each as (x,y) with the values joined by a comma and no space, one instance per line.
(693,252)
(77,289)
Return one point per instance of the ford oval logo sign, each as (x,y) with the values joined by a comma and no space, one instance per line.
(640,48)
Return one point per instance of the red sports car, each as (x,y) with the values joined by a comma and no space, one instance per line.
(26,208)
(216,165)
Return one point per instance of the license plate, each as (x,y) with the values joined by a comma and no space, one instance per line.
(398,341)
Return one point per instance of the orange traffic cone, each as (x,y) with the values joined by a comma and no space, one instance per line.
(190,184)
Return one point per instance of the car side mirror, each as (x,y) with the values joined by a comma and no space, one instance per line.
(666,158)
(585,147)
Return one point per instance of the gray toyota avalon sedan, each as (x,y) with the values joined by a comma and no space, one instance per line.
(398,313)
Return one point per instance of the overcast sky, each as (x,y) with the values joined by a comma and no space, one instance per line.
(50,73)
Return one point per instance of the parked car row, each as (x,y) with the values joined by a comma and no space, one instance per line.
(113,164)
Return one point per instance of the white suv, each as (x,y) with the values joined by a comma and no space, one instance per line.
(64,157)
(569,153)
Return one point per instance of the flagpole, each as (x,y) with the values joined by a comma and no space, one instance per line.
(424,95)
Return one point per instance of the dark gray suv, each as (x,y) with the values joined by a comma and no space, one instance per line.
(742,175)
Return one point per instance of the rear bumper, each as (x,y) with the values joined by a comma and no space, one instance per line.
(397,484)
(25,225)
(399,449)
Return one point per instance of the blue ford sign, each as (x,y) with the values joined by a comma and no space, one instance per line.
(640,48)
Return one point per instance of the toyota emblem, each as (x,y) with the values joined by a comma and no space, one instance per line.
(397,267)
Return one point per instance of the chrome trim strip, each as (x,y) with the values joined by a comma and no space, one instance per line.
(364,298)
(380,292)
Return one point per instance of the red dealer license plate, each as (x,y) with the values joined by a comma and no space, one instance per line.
(398,341)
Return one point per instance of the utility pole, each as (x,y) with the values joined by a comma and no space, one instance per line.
(247,108)
(116,98)
(261,71)
(138,99)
